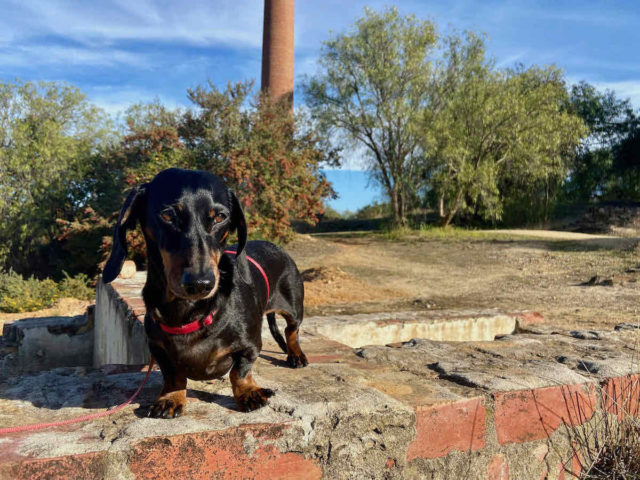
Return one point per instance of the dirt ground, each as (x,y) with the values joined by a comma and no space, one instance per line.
(574,280)
(548,272)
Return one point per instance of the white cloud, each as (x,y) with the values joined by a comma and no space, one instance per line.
(510,60)
(198,22)
(41,55)
(624,89)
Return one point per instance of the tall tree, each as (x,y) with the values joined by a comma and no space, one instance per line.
(499,134)
(373,86)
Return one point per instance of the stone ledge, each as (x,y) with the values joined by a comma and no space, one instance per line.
(416,409)
(242,452)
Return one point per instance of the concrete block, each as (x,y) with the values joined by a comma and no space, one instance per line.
(51,342)
(119,335)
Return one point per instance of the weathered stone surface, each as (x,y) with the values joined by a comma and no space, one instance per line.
(418,409)
(512,362)
(439,325)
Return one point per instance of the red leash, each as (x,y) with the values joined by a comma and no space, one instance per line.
(84,418)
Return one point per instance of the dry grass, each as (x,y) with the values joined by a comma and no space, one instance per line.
(455,268)
(608,446)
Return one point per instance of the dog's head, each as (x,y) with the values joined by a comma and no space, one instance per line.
(188,216)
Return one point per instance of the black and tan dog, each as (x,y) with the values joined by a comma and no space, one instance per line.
(205,302)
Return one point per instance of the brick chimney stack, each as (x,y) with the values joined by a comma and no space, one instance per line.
(277,49)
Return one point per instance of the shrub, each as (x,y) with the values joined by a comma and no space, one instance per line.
(75,287)
(270,157)
(608,446)
(79,169)
(18,294)
(374,210)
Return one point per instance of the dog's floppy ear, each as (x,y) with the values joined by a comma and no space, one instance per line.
(238,222)
(130,214)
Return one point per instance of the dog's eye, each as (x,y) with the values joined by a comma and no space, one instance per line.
(168,216)
(216,217)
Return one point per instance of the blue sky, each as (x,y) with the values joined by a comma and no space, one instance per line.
(124,51)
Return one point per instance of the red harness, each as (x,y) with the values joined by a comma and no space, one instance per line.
(208,320)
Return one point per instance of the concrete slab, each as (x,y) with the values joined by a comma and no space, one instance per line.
(50,342)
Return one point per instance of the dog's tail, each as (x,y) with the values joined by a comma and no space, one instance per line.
(273,328)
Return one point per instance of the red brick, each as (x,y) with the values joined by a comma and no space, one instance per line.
(621,396)
(325,358)
(529,318)
(81,466)
(220,455)
(528,415)
(278,49)
(441,429)
(498,468)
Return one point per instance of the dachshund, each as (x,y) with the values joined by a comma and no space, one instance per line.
(205,301)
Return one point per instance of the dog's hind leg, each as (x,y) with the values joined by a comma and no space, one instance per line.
(295,357)
(275,332)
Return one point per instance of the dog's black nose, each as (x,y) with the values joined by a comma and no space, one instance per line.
(198,284)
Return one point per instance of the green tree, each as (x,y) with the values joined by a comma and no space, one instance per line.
(49,135)
(626,167)
(501,137)
(598,170)
(374,83)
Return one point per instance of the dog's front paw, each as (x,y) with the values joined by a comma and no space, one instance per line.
(297,361)
(170,405)
(254,399)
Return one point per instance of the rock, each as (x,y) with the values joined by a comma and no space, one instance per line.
(626,326)
(597,281)
(128,269)
(585,335)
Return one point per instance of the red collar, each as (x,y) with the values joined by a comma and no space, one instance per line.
(208,320)
(189,327)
